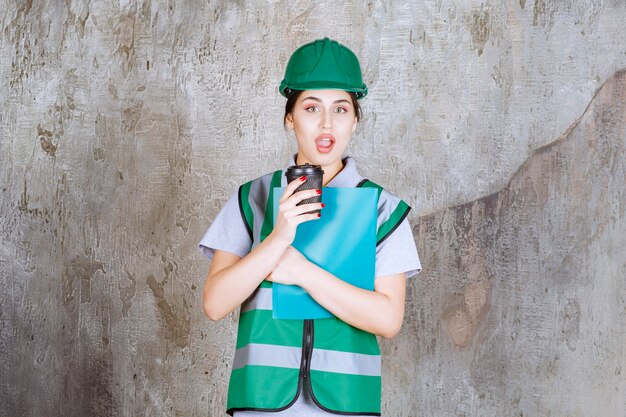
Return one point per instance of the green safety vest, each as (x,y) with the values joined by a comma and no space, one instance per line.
(273,356)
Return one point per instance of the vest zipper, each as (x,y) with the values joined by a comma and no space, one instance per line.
(307,348)
(308,362)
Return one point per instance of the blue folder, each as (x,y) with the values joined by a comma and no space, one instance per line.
(342,241)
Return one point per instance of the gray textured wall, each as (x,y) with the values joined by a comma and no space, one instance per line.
(126,125)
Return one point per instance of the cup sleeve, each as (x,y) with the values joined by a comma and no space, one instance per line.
(227,232)
(398,253)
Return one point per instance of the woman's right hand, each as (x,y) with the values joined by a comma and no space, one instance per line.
(289,216)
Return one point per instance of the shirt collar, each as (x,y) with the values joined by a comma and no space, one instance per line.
(348,177)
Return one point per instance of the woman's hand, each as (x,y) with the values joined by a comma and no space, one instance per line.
(289,268)
(289,216)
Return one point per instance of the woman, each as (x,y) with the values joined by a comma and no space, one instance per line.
(307,367)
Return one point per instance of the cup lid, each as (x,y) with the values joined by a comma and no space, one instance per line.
(306,169)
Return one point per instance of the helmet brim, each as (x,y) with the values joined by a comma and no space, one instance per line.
(286,89)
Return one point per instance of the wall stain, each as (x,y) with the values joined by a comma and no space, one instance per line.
(124,32)
(570,323)
(543,14)
(23,207)
(82,268)
(479,28)
(297,25)
(464,313)
(178,325)
(131,115)
(58,114)
(99,154)
(99,397)
(113,90)
(19,31)
(81,19)
(45,139)
(127,293)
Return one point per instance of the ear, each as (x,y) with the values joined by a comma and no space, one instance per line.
(289,121)
(354,124)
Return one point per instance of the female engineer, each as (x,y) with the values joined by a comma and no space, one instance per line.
(315,367)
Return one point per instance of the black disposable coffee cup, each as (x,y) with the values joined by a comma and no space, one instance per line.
(314,178)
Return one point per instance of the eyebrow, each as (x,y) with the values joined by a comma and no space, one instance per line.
(342,100)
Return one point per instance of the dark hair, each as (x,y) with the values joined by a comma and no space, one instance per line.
(292,97)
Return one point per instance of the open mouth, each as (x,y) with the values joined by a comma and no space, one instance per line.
(324,143)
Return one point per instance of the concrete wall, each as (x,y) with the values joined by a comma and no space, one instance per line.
(521,310)
(126,125)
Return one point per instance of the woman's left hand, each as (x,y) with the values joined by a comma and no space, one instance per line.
(290,268)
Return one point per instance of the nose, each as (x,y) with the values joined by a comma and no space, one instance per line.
(326,121)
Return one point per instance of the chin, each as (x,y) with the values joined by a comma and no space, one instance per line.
(316,158)
(326,159)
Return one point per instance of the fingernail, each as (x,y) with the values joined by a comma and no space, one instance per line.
(318,191)
(302,178)
(318,214)
(323,205)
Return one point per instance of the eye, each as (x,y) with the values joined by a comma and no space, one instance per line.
(341,110)
(312,109)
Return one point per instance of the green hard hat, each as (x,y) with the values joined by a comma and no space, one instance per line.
(323,64)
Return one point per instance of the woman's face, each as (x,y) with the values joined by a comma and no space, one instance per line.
(323,121)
